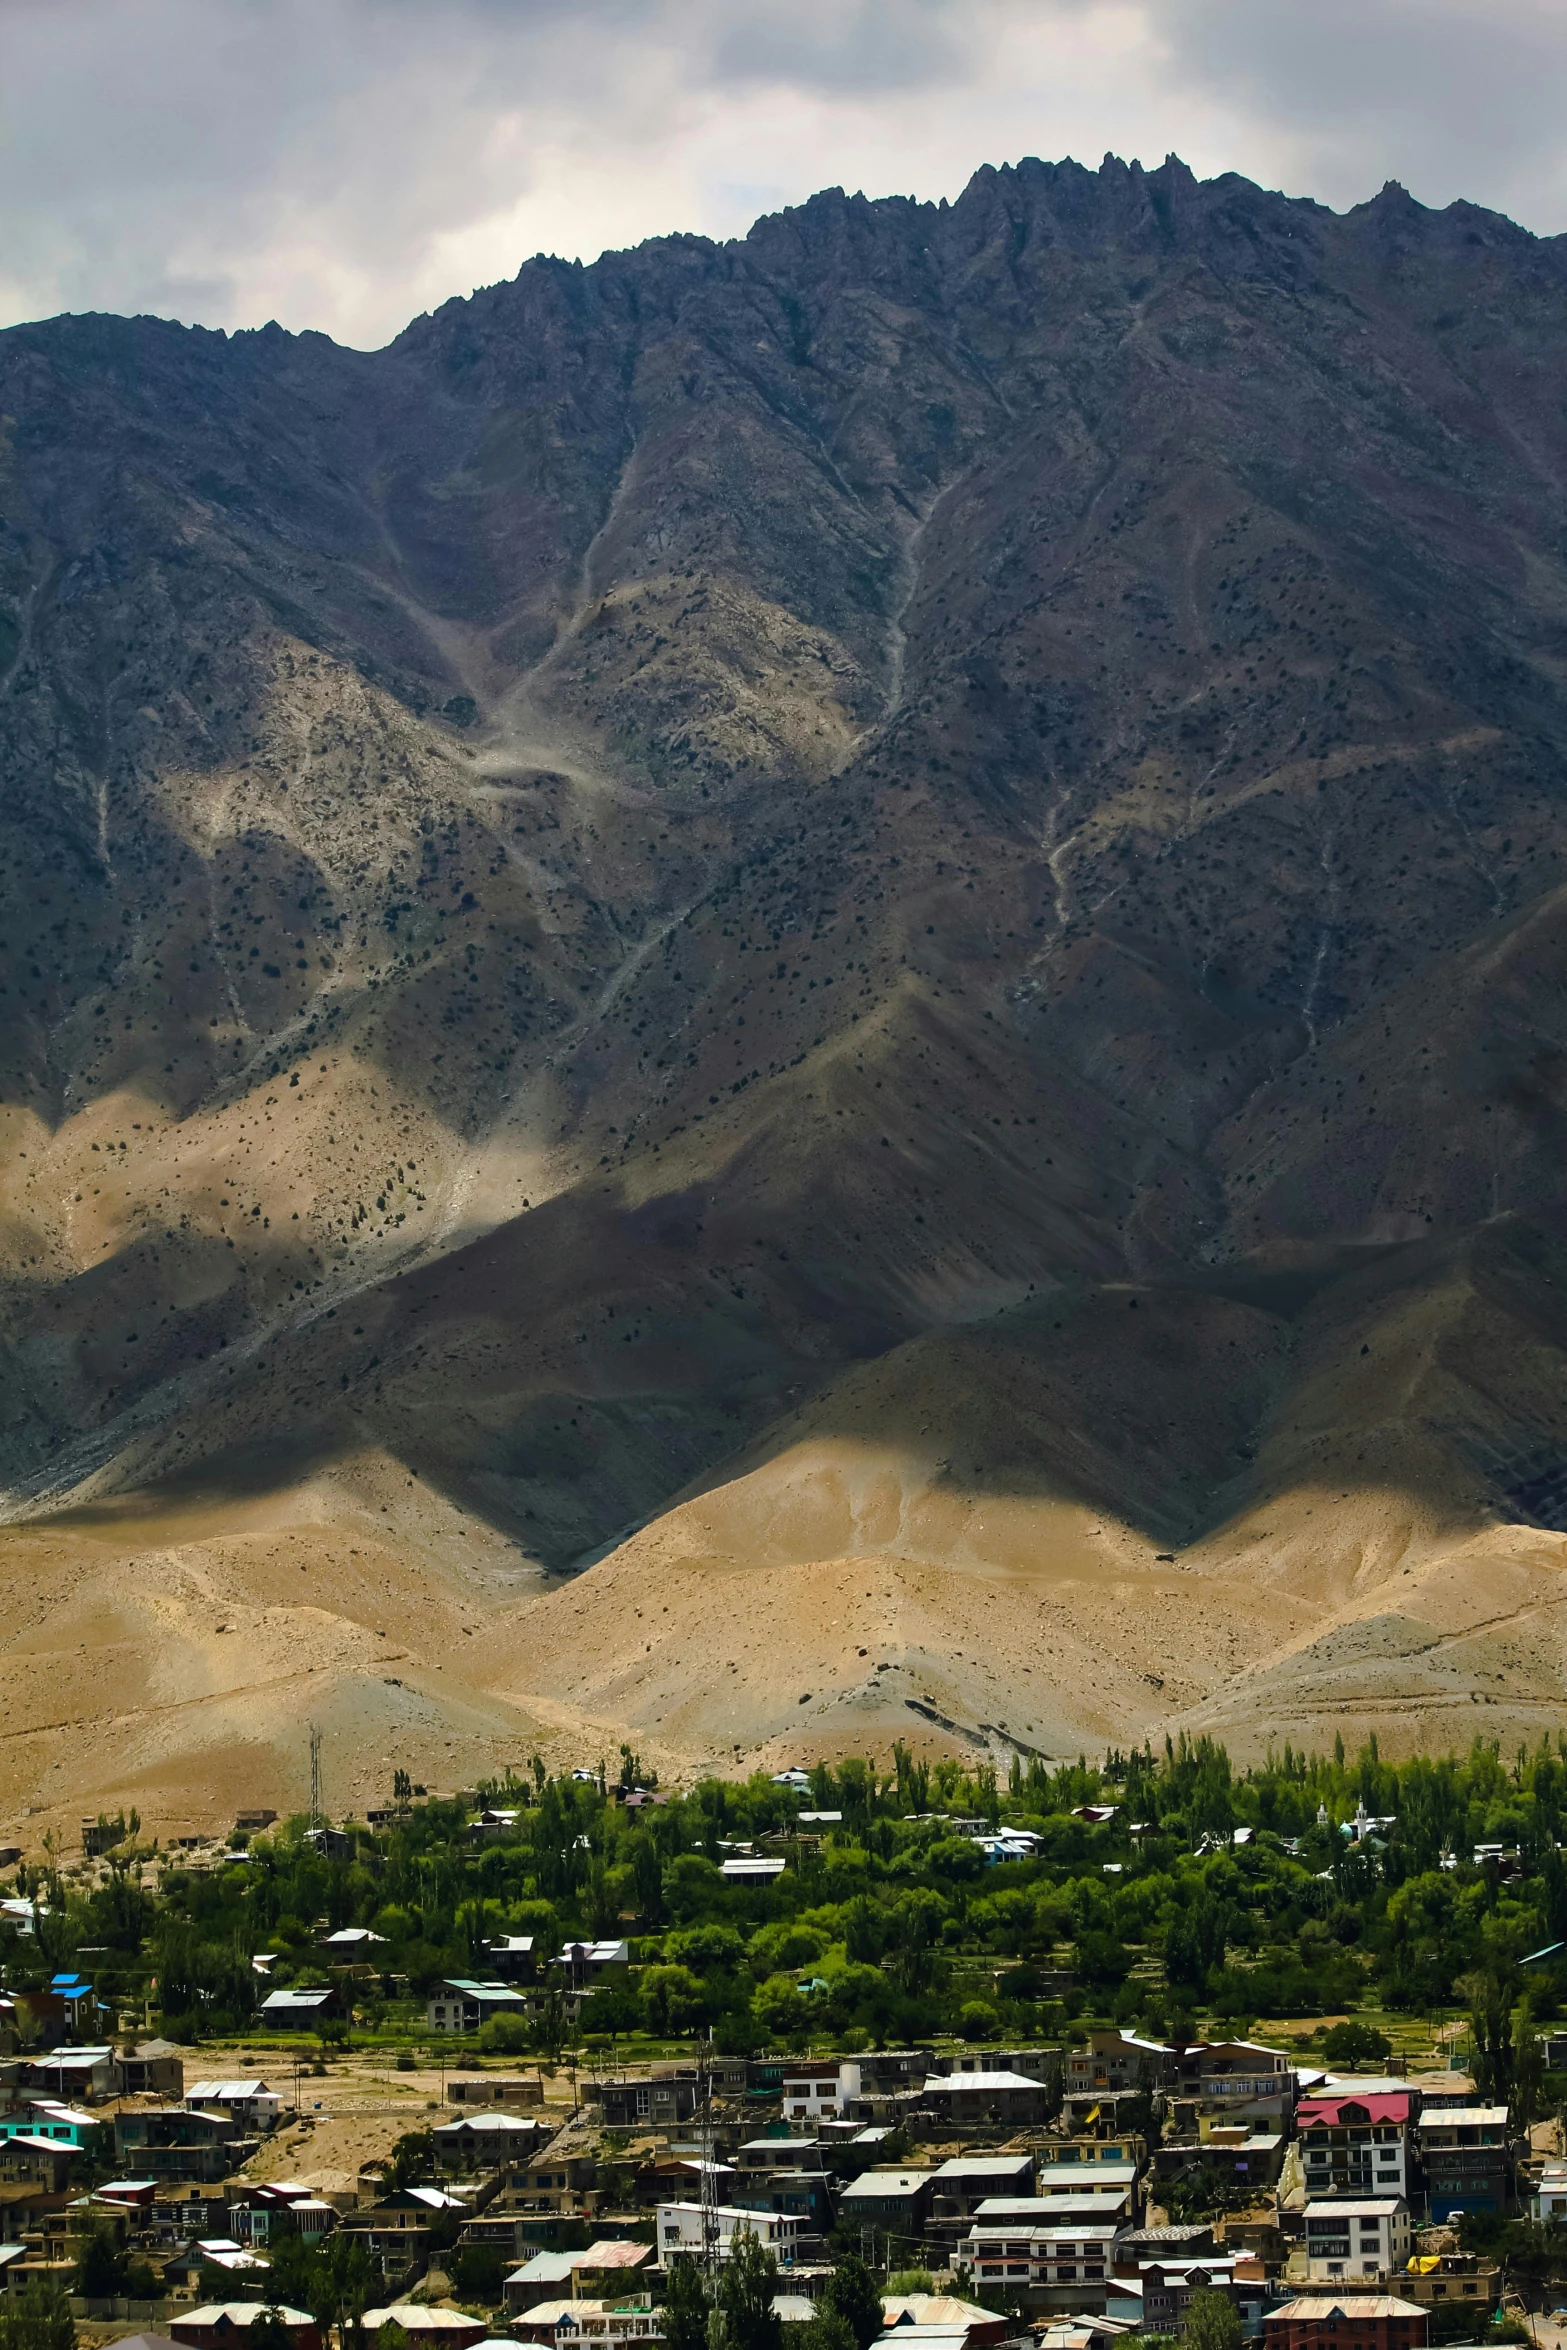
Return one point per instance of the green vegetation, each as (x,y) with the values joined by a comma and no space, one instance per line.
(1212,2322)
(333,2280)
(106,2270)
(895,1924)
(39,2318)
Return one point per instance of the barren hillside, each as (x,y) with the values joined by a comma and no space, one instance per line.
(786,993)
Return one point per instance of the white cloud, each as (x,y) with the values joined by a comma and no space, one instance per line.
(345,163)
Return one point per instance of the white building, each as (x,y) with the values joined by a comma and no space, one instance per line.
(1549,2200)
(813,2092)
(588,2325)
(461,2006)
(1345,2238)
(1078,2259)
(680,2231)
(587,1963)
(250,2103)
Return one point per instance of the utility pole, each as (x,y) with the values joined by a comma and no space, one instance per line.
(315,1776)
(704,2092)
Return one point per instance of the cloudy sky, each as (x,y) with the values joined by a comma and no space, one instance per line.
(343,164)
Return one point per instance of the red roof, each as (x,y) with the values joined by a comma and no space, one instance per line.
(1333,2112)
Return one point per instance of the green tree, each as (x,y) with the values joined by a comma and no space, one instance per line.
(551,2027)
(825,2331)
(1212,2321)
(102,2269)
(747,2283)
(671,1998)
(38,2318)
(686,2307)
(413,2160)
(345,2287)
(1490,2038)
(1528,2065)
(852,2294)
(478,2272)
(1353,2044)
(782,2009)
(505,2035)
(647,1879)
(295,2275)
(269,2331)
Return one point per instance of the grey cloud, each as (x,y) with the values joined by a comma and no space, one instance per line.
(866,47)
(343,162)
(1454,97)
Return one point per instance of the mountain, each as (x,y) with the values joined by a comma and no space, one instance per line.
(787,993)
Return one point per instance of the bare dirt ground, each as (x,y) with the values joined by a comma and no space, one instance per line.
(351,2114)
(834,1597)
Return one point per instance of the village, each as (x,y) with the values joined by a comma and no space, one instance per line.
(297,2183)
(1021,2195)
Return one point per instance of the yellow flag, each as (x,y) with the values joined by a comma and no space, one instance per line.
(1092,2115)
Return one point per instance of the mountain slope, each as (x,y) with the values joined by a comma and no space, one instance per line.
(643,918)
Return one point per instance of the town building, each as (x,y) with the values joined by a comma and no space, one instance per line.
(585,1964)
(1440,2092)
(961,2185)
(1356,2145)
(1548,2203)
(892,2204)
(427,2325)
(768,2154)
(1157,2299)
(1349,2321)
(61,2125)
(478,2141)
(74,2075)
(1439,2280)
(153,2068)
(1066,2156)
(814,2091)
(251,2105)
(1117,2061)
(398,2225)
(681,2231)
(492,2090)
(590,2325)
(544,2277)
(225,2325)
(511,1958)
(805,2195)
(170,2142)
(1045,2268)
(1062,2210)
(1005,2101)
(1239,2080)
(300,2007)
(664,2102)
(1236,2155)
(1349,2238)
(458,2005)
(1466,2153)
